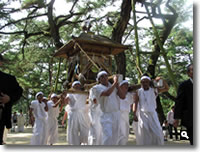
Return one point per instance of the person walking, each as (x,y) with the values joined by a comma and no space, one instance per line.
(125,106)
(78,126)
(95,132)
(14,122)
(184,104)
(53,113)
(20,122)
(170,120)
(149,130)
(39,108)
(10,93)
(106,94)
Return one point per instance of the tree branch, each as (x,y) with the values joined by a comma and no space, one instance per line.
(23,19)
(63,22)
(71,11)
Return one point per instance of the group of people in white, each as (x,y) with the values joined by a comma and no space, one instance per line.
(102,117)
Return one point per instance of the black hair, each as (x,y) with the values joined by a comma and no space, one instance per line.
(188,67)
(145,74)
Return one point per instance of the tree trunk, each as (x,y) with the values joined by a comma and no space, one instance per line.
(118,32)
(54,29)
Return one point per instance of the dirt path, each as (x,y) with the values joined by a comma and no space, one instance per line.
(15,138)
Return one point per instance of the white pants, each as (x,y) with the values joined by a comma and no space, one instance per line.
(124,128)
(95,132)
(78,128)
(148,129)
(39,132)
(110,128)
(52,131)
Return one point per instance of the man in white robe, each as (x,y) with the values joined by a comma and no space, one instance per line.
(125,106)
(106,95)
(148,130)
(78,126)
(39,108)
(20,122)
(95,132)
(53,113)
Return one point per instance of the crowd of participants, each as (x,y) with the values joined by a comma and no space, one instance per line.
(102,116)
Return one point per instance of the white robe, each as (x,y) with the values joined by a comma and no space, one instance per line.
(20,122)
(95,132)
(68,110)
(53,113)
(124,122)
(148,129)
(40,126)
(110,117)
(78,126)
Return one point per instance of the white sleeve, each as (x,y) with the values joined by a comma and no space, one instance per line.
(71,99)
(92,93)
(69,95)
(67,108)
(33,104)
(98,91)
(50,104)
(168,116)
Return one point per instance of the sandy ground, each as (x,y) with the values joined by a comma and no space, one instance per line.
(16,138)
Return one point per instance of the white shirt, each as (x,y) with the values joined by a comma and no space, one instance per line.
(53,112)
(170,117)
(147,99)
(107,103)
(77,101)
(191,80)
(126,103)
(38,110)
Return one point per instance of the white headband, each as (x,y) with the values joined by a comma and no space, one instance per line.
(45,98)
(54,95)
(75,82)
(100,74)
(124,81)
(39,93)
(145,77)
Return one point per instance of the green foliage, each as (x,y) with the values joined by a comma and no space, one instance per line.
(166,104)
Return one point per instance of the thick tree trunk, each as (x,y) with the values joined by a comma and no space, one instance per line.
(54,29)
(118,32)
